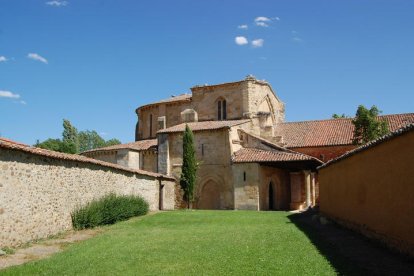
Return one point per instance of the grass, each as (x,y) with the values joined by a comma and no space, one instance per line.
(190,243)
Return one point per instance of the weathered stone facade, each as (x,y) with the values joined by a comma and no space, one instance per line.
(221,184)
(38,192)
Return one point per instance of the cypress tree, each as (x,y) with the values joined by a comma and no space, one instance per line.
(189,168)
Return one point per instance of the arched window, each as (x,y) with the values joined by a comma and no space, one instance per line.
(221,110)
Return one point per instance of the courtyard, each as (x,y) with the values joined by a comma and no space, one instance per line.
(220,242)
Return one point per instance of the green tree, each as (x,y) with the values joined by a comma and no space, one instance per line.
(74,141)
(90,139)
(368,126)
(189,168)
(50,144)
(337,116)
(112,142)
(70,137)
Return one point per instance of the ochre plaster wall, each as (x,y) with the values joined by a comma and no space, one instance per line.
(373,191)
(38,193)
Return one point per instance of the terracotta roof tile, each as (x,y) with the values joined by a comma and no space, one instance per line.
(136,146)
(330,132)
(389,136)
(179,98)
(2,139)
(207,125)
(78,158)
(251,155)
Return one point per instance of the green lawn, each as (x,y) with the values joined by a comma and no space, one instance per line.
(190,243)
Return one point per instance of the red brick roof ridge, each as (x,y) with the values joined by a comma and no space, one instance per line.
(204,125)
(78,158)
(136,146)
(389,136)
(330,132)
(178,98)
(284,156)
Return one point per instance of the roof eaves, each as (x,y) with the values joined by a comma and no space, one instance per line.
(387,137)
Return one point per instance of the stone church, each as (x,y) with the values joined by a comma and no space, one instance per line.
(249,157)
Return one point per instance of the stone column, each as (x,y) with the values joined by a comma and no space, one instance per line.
(295,191)
(313,189)
(308,188)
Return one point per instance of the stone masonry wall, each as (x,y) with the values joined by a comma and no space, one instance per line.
(38,193)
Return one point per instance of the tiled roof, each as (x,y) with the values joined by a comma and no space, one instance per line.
(265,142)
(251,155)
(78,158)
(179,98)
(136,146)
(396,133)
(2,139)
(330,132)
(207,125)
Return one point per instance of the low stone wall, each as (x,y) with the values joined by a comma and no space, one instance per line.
(39,190)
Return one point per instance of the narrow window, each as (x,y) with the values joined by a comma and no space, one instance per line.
(202,149)
(150,125)
(219,110)
(244,176)
(224,110)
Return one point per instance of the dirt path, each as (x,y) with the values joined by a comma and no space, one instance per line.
(45,248)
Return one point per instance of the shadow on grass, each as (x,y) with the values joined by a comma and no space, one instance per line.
(348,252)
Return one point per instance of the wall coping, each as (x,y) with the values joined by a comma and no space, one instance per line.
(77,158)
(387,137)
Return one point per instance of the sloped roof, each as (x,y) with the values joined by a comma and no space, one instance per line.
(179,98)
(78,158)
(389,136)
(331,132)
(206,125)
(2,139)
(252,155)
(136,146)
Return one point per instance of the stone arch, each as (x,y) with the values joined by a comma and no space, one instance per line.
(265,105)
(265,197)
(209,193)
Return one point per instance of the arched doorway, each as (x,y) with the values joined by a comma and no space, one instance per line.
(271,197)
(209,196)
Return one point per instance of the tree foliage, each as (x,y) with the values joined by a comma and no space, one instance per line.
(368,126)
(70,136)
(337,116)
(189,168)
(74,141)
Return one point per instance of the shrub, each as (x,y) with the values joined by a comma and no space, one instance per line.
(108,210)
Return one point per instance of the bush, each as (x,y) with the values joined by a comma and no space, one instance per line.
(108,210)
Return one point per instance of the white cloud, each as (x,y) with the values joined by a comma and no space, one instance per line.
(37,57)
(3,59)
(276,18)
(257,43)
(297,39)
(262,19)
(23,102)
(57,3)
(8,94)
(241,40)
(262,24)
(244,26)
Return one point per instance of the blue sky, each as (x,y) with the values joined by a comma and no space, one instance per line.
(93,62)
